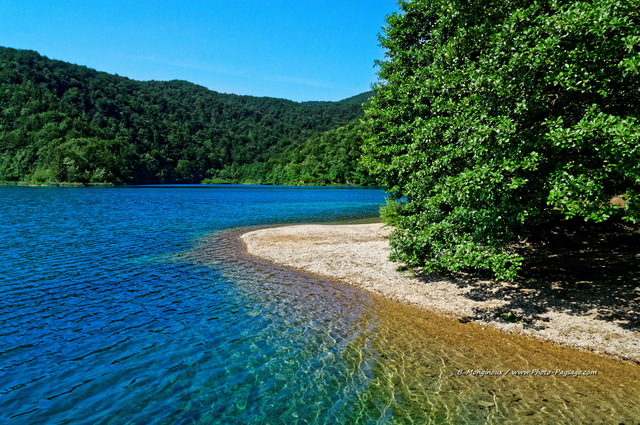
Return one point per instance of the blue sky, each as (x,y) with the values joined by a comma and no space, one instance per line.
(299,50)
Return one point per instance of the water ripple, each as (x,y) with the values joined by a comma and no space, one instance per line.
(137,306)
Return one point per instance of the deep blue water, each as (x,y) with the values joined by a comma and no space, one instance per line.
(135,306)
(124,305)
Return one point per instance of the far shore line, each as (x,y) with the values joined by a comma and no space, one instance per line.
(220,184)
(357,254)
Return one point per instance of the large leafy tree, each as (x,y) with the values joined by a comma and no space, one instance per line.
(491,116)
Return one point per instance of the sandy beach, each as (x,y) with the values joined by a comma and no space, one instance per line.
(357,254)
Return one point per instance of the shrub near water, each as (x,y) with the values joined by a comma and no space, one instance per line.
(491,116)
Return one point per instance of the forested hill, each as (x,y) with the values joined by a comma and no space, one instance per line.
(68,123)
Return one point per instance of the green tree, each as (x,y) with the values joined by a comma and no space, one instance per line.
(492,116)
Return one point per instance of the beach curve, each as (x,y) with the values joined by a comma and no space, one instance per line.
(357,254)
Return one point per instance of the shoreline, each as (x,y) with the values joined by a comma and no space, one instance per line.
(357,254)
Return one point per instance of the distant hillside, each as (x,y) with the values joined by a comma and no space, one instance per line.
(68,123)
(331,157)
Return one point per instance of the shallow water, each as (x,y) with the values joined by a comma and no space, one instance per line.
(137,305)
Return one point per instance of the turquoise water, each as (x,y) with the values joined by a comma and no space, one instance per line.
(122,306)
(135,306)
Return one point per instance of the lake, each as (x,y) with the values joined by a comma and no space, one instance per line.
(137,305)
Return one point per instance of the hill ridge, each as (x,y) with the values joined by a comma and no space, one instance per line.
(62,122)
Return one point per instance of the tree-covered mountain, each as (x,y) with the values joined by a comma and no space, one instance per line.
(61,122)
(325,158)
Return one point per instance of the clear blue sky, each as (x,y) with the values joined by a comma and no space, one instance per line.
(293,49)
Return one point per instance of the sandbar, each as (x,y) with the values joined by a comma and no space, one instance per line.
(357,254)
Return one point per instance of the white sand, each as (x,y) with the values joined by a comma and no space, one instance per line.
(358,255)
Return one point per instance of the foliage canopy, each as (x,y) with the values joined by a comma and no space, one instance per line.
(492,116)
(67,123)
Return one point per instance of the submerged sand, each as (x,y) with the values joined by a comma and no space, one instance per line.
(357,254)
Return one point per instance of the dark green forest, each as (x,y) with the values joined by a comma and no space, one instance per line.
(65,123)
